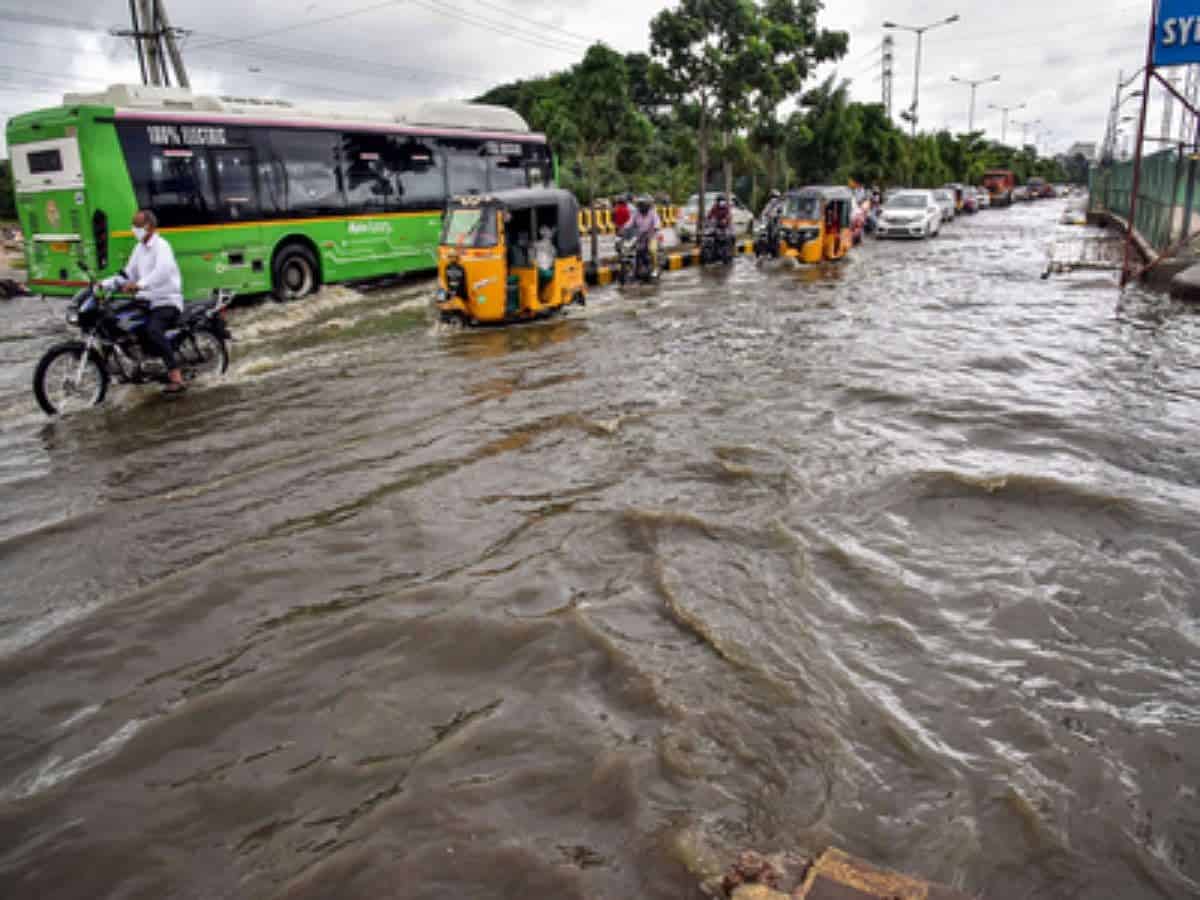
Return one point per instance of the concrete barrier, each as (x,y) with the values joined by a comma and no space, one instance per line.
(606,273)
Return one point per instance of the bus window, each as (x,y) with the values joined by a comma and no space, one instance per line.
(368,164)
(422,175)
(235,184)
(172,181)
(310,164)
(507,171)
(466,166)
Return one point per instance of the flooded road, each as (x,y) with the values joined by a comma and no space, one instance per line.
(900,555)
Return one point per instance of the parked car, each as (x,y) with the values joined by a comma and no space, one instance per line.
(1021,192)
(915,214)
(945,200)
(743,219)
(970,200)
(983,198)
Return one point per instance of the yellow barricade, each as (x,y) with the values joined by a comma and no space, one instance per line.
(585,221)
(606,222)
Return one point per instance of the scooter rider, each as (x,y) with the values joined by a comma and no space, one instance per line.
(721,215)
(153,275)
(646,224)
(771,215)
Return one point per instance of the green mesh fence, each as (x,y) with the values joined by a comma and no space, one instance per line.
(1163,195)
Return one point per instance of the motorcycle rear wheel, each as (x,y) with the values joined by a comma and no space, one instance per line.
(61,385)
(203,354)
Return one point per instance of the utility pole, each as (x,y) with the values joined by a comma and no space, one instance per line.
(169,36)
(889,44)
(973,83)
(156,42)
(919,31)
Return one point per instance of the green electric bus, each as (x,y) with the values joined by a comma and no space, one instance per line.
(255,195)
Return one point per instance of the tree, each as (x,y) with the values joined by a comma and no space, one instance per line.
(603,114)
(790,47)
(696,48)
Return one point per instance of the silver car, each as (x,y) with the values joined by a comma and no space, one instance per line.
(983,198)
(915,214)
(947,203)
(743,219)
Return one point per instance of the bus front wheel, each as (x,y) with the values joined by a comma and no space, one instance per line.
(294,273)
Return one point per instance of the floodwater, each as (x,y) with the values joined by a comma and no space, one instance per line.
(900,555)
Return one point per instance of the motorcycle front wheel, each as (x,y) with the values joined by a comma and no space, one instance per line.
(65,380)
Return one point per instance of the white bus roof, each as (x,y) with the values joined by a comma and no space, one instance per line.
(423,113)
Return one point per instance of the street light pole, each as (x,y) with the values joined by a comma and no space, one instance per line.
(1004,119)
(973,84)
(919,31)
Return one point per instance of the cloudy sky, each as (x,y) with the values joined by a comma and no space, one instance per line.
(1059,59)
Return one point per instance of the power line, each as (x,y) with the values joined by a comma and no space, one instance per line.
(458,15)
(308,23)
(508,10)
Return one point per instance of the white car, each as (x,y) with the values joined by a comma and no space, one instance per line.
(983,198)
(910,214)
(743,219)
(946,201)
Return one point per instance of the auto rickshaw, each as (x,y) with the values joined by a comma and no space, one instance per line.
(816,224)
(509,256)
(959,197)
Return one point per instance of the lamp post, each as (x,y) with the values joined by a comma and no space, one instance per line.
(919,31)
(1004,120)
(1026,126)
(973,84)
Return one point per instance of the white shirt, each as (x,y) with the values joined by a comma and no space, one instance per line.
(153,269)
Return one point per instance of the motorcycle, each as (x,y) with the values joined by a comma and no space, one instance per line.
(717,245)
(634,260)
(766,240)
(77,373)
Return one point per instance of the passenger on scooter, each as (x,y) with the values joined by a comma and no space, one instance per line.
(153,275)
(646,224)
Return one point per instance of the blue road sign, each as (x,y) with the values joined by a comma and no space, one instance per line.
(1177,34)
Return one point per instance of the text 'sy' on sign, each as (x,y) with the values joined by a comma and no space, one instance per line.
(1177,33)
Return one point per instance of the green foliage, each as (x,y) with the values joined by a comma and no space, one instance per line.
(709,93)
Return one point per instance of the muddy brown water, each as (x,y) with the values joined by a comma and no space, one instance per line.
(899,555)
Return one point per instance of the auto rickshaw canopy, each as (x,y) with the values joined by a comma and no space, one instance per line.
(551,207)
(809,202)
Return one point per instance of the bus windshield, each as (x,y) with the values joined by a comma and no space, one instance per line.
(804,206)
(474,227)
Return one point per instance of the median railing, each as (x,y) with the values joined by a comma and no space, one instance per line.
(1168,207)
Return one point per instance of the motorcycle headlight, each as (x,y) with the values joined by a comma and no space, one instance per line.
(72,315)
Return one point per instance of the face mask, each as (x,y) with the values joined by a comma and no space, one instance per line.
(139,234)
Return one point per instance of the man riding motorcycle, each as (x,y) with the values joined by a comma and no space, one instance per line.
(153,275)
(645,225)
(719,222)
(771,214)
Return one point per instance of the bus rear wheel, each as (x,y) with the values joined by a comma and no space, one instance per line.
(294,274)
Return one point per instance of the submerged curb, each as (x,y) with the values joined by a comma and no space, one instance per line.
(605,274)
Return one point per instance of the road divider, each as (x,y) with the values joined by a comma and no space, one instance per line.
(606,273)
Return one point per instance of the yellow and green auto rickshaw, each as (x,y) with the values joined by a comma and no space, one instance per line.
(816,224)
(509,256)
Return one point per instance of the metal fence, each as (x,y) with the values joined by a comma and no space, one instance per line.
(1167,195)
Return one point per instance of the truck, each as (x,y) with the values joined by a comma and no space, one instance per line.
(999,184)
